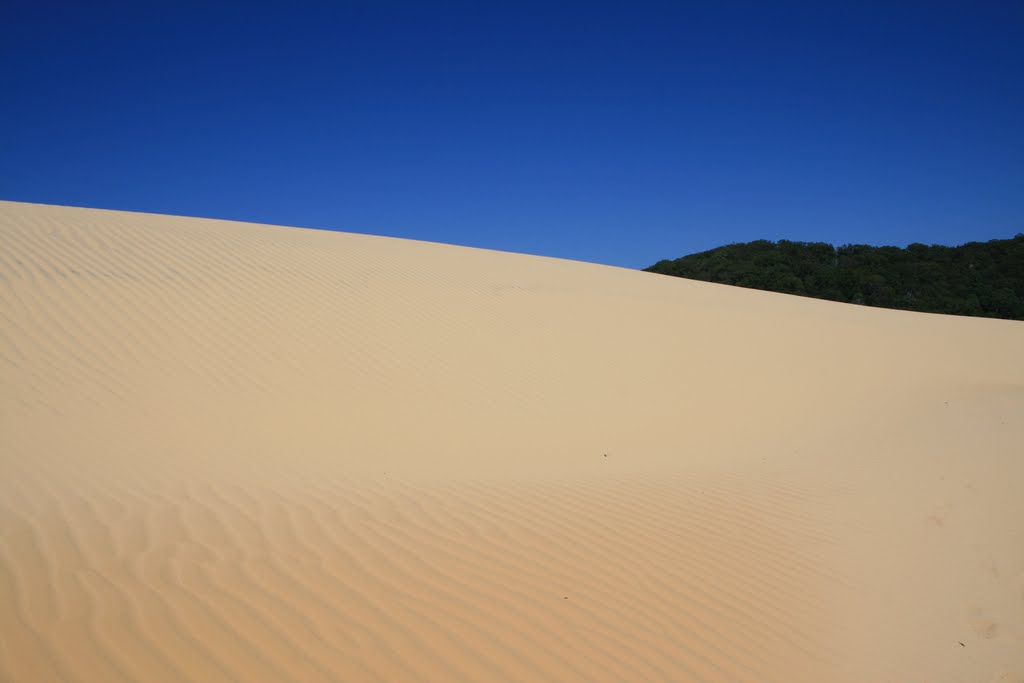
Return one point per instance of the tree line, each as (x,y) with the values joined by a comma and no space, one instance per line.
(978,278)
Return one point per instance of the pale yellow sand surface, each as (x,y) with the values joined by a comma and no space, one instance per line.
(236,452)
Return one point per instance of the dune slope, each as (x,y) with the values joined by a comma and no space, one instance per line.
(236,452)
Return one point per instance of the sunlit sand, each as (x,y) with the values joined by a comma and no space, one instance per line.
(253,453)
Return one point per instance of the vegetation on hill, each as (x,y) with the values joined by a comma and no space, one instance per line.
(977,278)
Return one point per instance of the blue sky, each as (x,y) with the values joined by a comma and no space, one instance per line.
(614,132)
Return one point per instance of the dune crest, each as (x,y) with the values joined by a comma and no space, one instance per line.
(244,452)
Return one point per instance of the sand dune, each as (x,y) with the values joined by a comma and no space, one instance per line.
(236,452)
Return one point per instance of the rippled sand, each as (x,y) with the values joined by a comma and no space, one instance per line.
(253,453)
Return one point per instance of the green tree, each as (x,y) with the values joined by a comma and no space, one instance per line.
(977,278)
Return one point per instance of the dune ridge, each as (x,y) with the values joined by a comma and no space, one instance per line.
(246,452)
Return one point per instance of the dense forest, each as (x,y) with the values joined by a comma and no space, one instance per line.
(978,278)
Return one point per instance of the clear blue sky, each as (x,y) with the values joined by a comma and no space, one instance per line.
(616,132)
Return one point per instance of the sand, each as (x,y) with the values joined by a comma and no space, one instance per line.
(253,453)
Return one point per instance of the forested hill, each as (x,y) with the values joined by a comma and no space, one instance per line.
(977,278)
